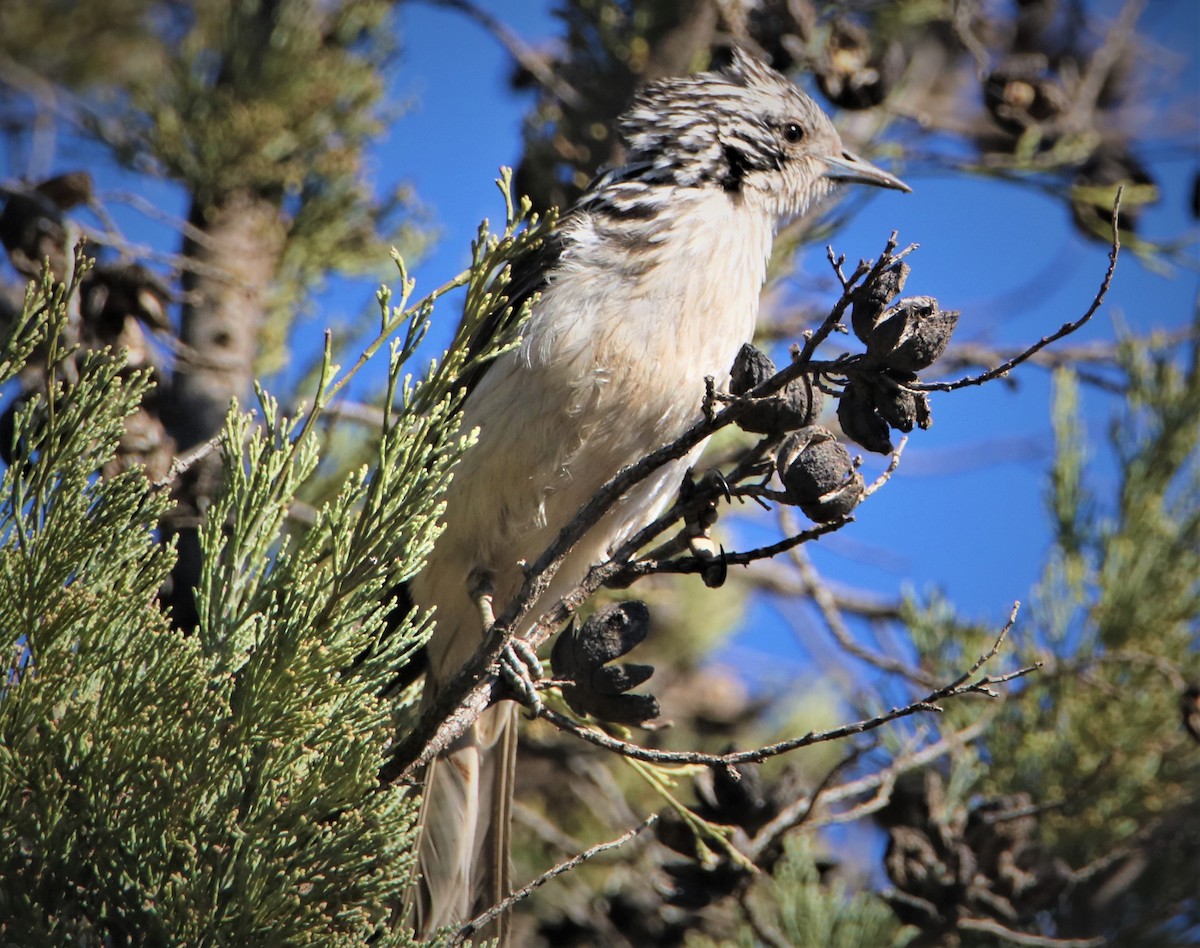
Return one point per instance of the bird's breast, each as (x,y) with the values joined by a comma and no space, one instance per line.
(646,309)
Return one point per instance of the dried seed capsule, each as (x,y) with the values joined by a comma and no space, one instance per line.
(912,335)
(32,228)
(836,504)
(924,417)
(598,688)
(797,404)
(928,340)
(750,369)
(872,298)
(861,421)
(1022,92)
(818,475)
(897,407)
(854,75)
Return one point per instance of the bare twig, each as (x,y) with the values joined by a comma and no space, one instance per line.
(879,783)
(830,611)
(893,463)
(992,927)
(783,582)
(529,60)
(153,212)
(864,272)
(49,102)
(1065,330)
(479,921)
(963,32)
(696,564)
(903,764)
(1170,671)
(962,685)
(1100,66)
(799,811)
(182,463)
(1101,353)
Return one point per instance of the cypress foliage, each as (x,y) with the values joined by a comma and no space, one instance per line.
(222,786)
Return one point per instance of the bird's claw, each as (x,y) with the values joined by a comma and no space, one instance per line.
(520,669)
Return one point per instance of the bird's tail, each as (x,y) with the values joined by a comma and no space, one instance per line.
(463,855)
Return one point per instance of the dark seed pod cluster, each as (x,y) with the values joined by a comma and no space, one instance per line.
(871,299)
(901,340)
(797,404)
(818,475)
(599,689)
(950,860)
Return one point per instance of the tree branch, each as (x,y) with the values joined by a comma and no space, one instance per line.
(960,686)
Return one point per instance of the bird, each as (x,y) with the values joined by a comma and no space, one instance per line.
(649,284)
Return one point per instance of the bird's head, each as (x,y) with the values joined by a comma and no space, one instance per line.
(746,129)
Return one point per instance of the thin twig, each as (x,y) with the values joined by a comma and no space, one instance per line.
(696,564)
(153,212)
(533,63)
(961,25)
(831,613)
(182,463)
(781,580)
(960,686)
(800,811)
(479,921)
(1065,330)
(903,764)
(893,463)
(992,927)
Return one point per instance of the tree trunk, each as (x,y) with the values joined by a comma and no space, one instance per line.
(226,294)
(234,265)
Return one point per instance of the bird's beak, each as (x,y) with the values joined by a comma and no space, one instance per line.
(849,167)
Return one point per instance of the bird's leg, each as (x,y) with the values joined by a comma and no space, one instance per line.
(519,664)
(481,588)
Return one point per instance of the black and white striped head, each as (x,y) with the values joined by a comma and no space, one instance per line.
(744,128)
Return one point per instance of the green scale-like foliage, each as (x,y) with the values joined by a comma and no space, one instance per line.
(167,788)
(217,787)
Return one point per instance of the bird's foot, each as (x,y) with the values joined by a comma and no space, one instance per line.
(520,669)
(698,524)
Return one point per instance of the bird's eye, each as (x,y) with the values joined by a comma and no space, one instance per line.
(792,133)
